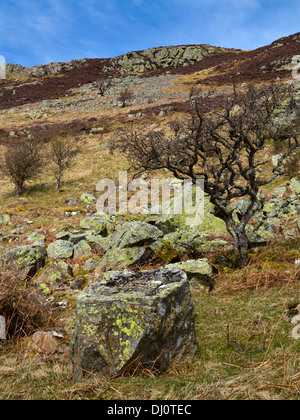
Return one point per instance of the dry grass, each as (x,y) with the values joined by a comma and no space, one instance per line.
(20,304)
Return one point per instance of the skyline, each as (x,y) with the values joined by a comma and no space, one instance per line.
(36,32)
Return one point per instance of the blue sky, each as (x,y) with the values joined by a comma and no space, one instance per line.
(40,31)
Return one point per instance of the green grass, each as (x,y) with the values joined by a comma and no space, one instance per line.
(245,352)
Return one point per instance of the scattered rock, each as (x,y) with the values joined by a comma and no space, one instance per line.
(78,284)
(52,276)
(37,238)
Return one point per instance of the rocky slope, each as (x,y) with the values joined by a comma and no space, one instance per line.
(56,238)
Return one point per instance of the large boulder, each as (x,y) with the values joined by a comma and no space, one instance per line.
(129,320)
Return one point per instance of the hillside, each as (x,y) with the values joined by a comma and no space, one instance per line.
(246,347)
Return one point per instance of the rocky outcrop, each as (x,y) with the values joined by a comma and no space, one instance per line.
(132,62)
(172,56)
(45,69)
(132,320)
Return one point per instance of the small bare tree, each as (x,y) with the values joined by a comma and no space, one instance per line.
(63,150)
(224,142)
(103,85)
(125,96)
(22,162)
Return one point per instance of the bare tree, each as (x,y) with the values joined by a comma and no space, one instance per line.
(125,96)
(63,150)
(103,85)
(22,162)
(224,142)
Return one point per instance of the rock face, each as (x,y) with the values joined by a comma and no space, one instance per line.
(129,320)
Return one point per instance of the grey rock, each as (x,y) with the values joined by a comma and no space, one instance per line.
(128,319)
(60,249)
(2,328)
(27,259)
(82,249)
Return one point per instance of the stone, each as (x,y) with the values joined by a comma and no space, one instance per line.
(275,160)
(47,343)
(82,249)
(55,272)
(37,238)
(294,185)
(199,272)
(60,249)
(88,198)
(91,264)
(129,320)
(78,283)
(2,328)
(132,234)
(123,258)
(96,224)
(95,240)
(52,276)
(206,224)
(27,259)
(72,202)
(130,244)
(72,237)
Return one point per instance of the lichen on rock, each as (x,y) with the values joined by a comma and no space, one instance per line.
(129,320)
